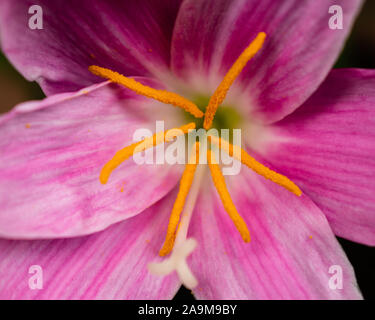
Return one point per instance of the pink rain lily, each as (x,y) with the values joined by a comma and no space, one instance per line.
(300,118)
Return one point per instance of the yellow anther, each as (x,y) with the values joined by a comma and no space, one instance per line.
(221,188)
(185,184)
(219,95)
(140,146)
(241,155)
(160,95)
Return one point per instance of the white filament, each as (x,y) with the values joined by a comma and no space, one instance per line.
(183,247)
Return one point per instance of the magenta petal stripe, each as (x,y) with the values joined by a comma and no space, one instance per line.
(111,264)
(297,55)
(132,37)
(52,152)
(290,254)
(328,148)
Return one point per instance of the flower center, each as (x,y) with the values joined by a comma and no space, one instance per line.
(224,117)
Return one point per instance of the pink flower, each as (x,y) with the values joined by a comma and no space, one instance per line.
(94,240)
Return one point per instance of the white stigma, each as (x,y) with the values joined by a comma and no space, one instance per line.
(183,247)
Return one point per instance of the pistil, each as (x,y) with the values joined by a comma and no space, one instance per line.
(183,246)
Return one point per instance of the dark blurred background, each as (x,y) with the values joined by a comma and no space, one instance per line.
(359,52)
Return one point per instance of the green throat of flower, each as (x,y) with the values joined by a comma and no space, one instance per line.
(226,117)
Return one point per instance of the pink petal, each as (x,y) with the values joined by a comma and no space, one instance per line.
(52,153)
(298,53)
(291,251)
(111,264)
(328,148)
(131,37)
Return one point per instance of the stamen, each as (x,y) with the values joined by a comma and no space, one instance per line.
(219,95)
(140,146)
(241,155)
(185,184)
(221,188)
(160,95)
